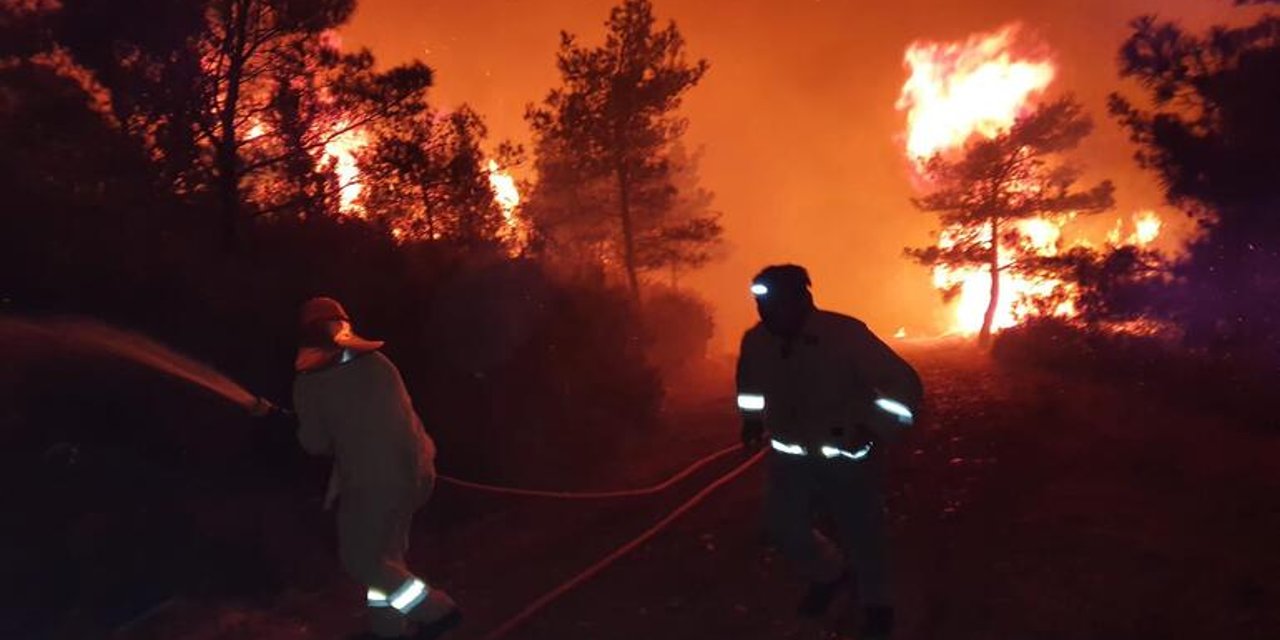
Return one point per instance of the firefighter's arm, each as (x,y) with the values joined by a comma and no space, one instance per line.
(750,396)
(899,387)
(892,376)
(313,434)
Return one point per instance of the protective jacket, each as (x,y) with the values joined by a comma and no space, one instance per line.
(820,387)
(360,412)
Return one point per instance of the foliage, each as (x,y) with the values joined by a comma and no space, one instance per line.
(114,175)
(232,96)
(429,179)
(605,144)
(679,326)
(1114,284)
(1208,130)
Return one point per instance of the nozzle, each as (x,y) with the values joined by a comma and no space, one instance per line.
(262,408)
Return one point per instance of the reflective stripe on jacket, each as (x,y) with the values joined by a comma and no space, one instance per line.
(818,388)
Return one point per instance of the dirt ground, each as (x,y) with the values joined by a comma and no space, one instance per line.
(1024,506)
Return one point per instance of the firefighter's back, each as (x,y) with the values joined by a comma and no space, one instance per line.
(378,439)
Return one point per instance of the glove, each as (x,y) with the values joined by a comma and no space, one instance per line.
(752,434)
(262,408)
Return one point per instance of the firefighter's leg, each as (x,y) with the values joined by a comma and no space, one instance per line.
(856,503)
(369,535)
(396,596)
(436,612)
(789,497)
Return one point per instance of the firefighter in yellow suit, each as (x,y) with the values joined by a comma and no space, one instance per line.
(827,396)
(352,404)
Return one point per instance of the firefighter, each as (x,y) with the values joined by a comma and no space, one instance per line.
(827,396)
(352,404)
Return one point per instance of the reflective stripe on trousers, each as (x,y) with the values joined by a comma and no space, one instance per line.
(373,532)
(389,613)
(827,451)
(409,595)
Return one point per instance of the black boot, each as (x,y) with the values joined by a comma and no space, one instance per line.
(437,628)
(877,623)
(818,598)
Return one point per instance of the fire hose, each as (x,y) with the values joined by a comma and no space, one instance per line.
(595,495)
(546,599)
(532,609)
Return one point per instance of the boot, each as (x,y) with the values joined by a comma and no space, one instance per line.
(877,623)
(437,615)
(818,598)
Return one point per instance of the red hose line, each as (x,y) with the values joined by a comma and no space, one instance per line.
(551,596)
(595,495)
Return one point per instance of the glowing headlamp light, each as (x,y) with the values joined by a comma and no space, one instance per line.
(759,290)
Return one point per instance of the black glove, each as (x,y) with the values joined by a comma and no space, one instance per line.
(752,434)
(261,408)
(268,411)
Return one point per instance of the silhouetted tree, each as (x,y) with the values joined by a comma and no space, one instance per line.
(996,182)
(604,140)
(202,81)
(1106,285)
(690,231)
(1208,129)
(24,28)
(429,179)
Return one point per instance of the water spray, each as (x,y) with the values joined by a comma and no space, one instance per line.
(84,336)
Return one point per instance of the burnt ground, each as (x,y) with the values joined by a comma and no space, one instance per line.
(1024,506)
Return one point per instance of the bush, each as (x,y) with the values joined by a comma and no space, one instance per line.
(1196,378)
(678,326)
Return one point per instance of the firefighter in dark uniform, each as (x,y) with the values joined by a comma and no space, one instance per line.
(827,396)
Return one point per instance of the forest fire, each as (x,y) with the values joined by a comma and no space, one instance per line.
(1146,228)
(960,89)
(514,232)
(341,153)
(977,89)
(517,272)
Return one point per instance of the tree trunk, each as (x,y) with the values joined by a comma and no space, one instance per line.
(984,336)
(228,153)
(628,233)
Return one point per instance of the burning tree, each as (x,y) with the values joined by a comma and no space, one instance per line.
(997,183)
(430,180)
(236,97)
(604,143)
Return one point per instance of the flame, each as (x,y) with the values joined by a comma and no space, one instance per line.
(960,89)
(1041,234)
(1146,229)
(979,87)
(515,232)
(341,151)
(504,188)
(1017,293)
